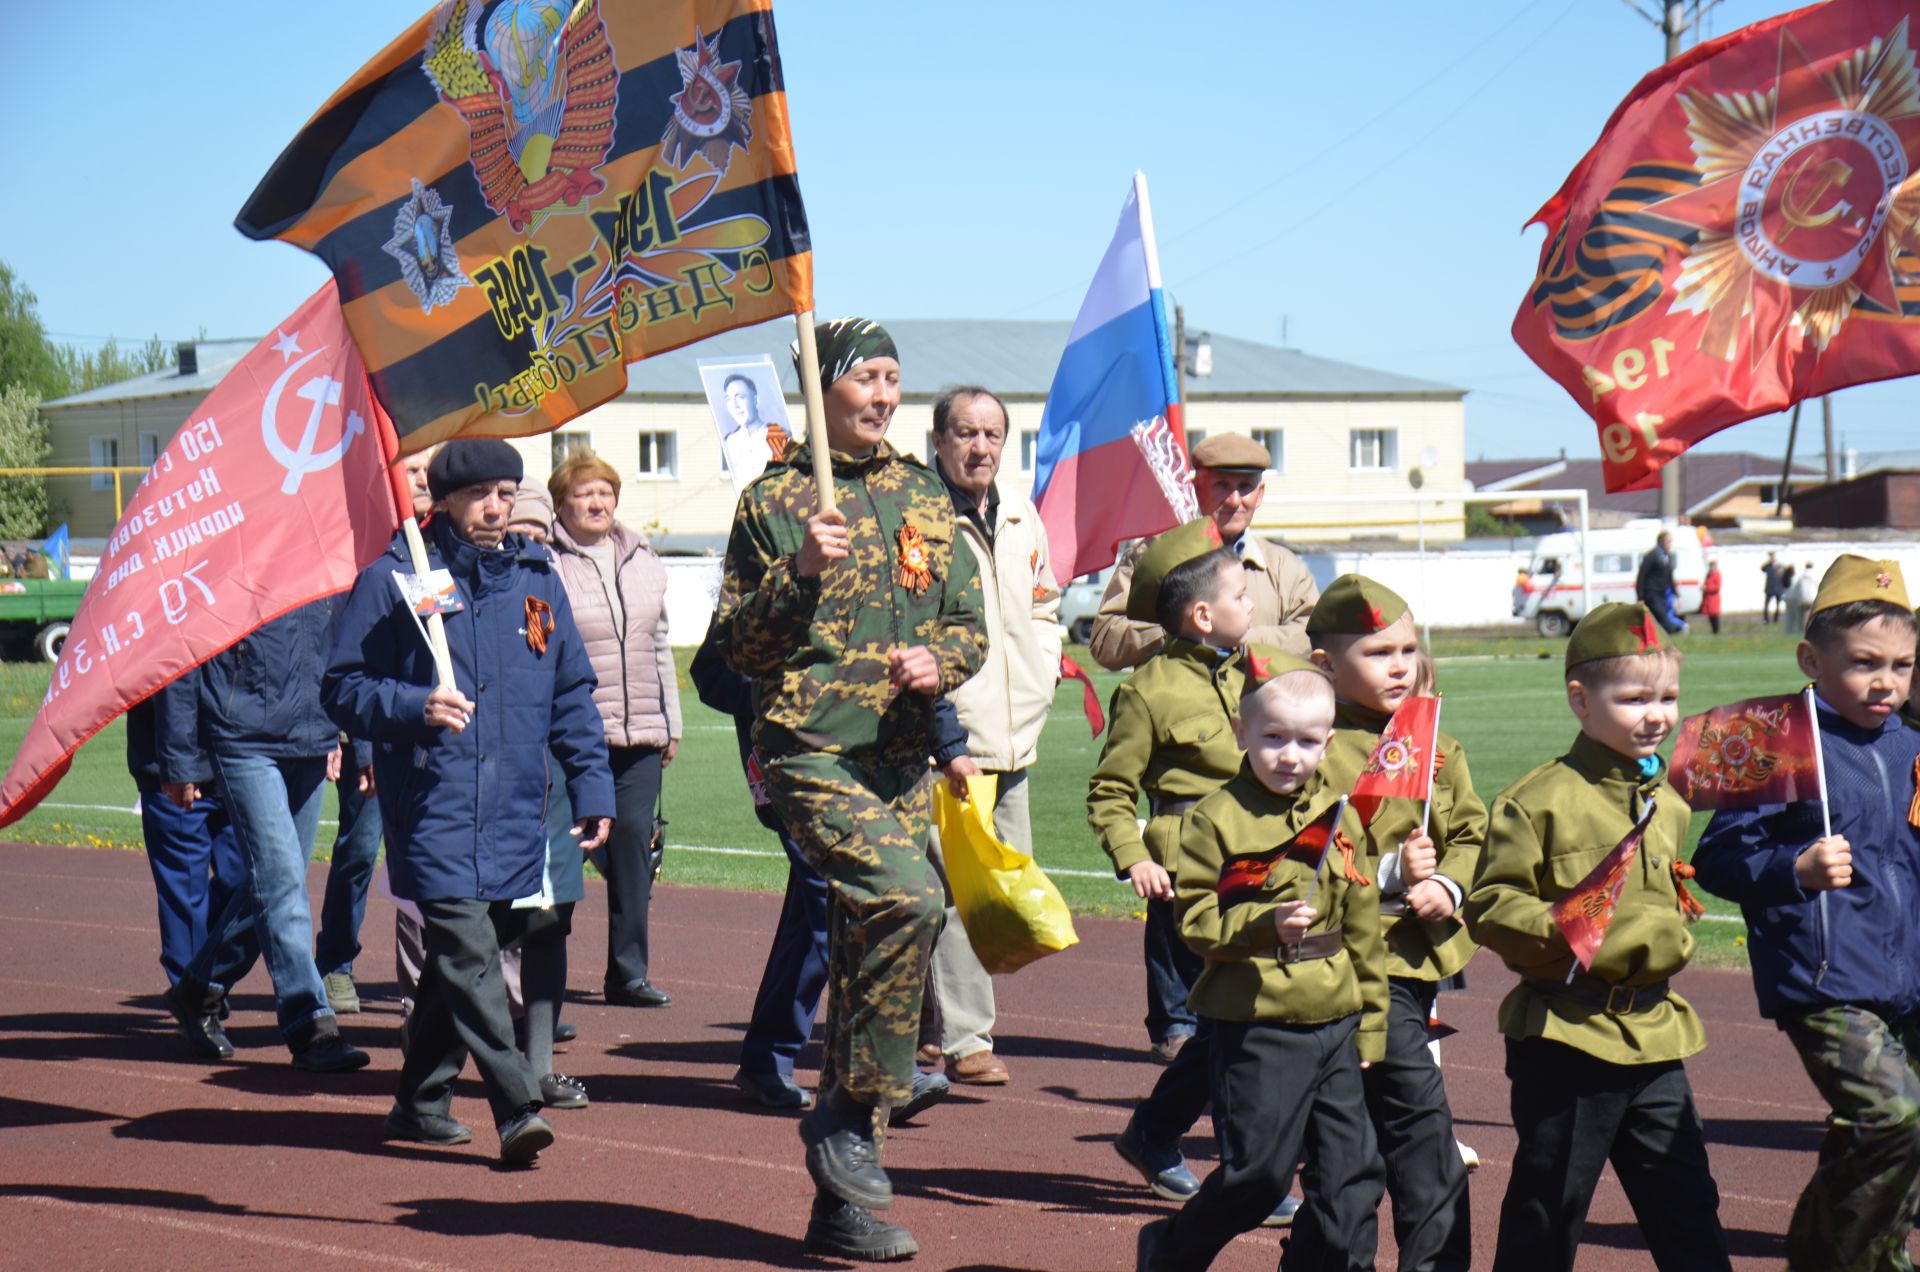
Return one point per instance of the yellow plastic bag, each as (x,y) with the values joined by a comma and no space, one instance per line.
(1012,912)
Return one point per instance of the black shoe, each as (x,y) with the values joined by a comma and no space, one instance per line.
(1164,1169)
(928,1090)
(199,1022)
(330,1053)
(522,1138)
(561,1092)
(1146,1247)
(841,1154)
(638,994)
(426,1128)
(772,1090)
(841,1230)
(564,1032)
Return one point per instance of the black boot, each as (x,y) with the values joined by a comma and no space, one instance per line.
(842,1156)
(199,1010)
(841,1230)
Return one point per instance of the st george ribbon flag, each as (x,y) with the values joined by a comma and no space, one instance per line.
(1401,766)
(1745,754)
(1585,912)
(1745,234)
(1112,453)
(274,493)
(519,198)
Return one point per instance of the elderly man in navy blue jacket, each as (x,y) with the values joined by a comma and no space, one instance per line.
(461,775)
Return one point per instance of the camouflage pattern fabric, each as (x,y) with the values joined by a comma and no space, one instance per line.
(817,648)
(1859,1206)
(864,830)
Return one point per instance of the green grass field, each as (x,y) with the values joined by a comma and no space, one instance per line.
(1504,701)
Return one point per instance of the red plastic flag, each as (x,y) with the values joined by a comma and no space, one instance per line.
(1401,766)
(1584,913)
(1244,876)
(1089,696)
(274,493)
(1745,234)
(1761,751)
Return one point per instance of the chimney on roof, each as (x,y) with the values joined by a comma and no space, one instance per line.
(188,354)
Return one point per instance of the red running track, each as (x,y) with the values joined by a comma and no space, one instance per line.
(121,1150)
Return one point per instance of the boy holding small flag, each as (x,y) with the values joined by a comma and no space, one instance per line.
(1595,1035)
(1828,887)
(1271,896)
(1424,831)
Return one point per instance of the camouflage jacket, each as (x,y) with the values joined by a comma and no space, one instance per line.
(817,648)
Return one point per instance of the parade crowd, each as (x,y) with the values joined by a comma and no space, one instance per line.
(1296,940)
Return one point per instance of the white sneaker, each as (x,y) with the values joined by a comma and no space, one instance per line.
(1468,1157)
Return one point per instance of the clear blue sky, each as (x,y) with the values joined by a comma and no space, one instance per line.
(1360,172)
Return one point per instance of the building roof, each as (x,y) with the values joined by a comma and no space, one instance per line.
(1707,478)
(1014,358)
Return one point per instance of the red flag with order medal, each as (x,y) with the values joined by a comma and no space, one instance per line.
(1401,766)
(1585,912)
(1745,234)
(1745,754)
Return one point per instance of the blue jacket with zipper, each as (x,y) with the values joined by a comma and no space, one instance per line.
(259,696)
(1857,945)
(465,813)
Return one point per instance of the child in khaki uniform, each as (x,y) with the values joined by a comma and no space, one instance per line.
(1595,1056)
(1363,633)
(1293,988)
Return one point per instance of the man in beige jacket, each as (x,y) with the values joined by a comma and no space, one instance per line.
(1230,482)
(1004,706)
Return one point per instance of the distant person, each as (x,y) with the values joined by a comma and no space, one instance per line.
(1776,587)
(1800,596)
(1710,596)
(1654,583)
(1230,484)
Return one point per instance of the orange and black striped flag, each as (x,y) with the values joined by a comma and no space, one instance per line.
(519,197)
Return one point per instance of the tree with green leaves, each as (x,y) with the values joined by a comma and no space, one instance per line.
(27,358)
(110,364)
(23,444)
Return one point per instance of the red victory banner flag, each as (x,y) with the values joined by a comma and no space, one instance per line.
(519,198)
(1244,876)
(1744,235)
(1401,766)
(1584,913)
(274,493)
(1761,751)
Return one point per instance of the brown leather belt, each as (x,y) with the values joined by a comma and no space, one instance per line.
(1172,807)
(1614,1000)
(1320,945)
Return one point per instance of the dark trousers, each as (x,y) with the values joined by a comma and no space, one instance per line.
(1432,1223)
(1180,1094)
(356,846)
(1574,1113)
(1171,970)
(795,975)
(623,860)
(1279,1091)
(197,867)
(1858,1208)
(460,1007)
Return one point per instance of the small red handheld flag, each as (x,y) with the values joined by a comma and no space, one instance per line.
(1401,766)
(1244,877)
(1761,751)
(1584,914)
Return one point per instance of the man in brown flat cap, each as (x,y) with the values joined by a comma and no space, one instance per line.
(1230,482)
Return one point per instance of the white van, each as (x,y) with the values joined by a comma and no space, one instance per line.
(1549,591)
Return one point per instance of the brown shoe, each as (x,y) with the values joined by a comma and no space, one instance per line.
(929,1053)
(980,1068)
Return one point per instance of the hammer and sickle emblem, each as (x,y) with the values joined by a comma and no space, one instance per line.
(1799,211)
(323,391)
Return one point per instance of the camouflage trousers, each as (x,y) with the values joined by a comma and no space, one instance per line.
(863,828)
(1858,1208)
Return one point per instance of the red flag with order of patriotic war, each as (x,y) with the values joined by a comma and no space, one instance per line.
(1401,766)
(1745,234)
(1243,877)
(1761,751)
(1585,912)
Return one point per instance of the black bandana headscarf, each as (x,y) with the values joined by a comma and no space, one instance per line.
(844,343)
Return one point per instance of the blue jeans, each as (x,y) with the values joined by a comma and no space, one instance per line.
(197,866)
(1171,970)
(796,974)
(356,847)
(274,805)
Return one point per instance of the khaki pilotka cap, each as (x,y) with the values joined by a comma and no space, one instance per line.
(1615,630)
(1355,605)
(1855,578)
(1165,554)
(1234,452)
(1265,664)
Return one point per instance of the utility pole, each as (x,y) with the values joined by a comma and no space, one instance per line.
(1180,358)
(1826,424)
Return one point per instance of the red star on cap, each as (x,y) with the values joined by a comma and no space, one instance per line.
(1648,632)
(1375,617)
(1213,534)
(1259,668)
(1883,579)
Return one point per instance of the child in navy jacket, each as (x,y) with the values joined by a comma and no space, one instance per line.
(1833,939)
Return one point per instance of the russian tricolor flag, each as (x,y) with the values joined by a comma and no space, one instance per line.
(1112,462)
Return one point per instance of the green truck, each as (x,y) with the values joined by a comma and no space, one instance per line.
(35,614)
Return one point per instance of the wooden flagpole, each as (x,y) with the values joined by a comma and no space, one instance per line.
(436,623)
(816,412)
(1433,759)
(1826,824)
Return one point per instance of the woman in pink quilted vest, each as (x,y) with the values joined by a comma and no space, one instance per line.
(618,590)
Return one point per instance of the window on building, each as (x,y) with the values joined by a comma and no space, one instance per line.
(1769,493)
(1376,449)
(658,456)
(565,444)
(1276,443)
(103,452)
(150,445)
(1029,449)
